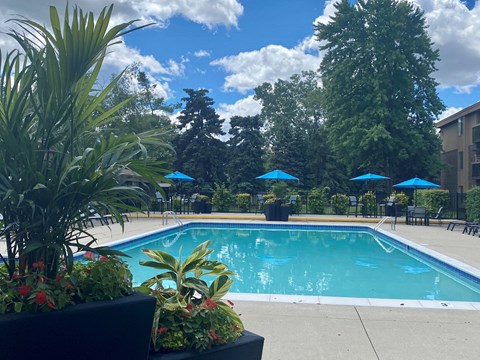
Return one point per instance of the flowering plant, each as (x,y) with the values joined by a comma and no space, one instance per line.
(103,278)
(191,314)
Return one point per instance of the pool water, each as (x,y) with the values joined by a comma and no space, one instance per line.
(312,261)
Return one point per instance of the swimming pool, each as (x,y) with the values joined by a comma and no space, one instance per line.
(315,260)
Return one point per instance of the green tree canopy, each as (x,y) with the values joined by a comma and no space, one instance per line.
(378,94)
(200,152)
(245,154)
(295,135)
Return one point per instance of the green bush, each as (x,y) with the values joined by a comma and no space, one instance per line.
(243,202)
(369,202)
(339,204)
(222,198)
(279,189)
(316,201)
(473,204)
(400,198)
(432,200)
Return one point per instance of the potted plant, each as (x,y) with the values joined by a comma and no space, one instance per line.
(284,211)
(202,204)
(191,316)
(55,168)
(243,202)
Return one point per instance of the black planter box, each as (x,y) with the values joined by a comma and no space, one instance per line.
(207,208)
(197,207)
(114,329)
(284,213)
(249,346)
(272,212)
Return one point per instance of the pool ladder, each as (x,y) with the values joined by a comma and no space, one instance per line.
(382,221)
(165,215)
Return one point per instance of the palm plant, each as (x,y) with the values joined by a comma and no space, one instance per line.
(55,163)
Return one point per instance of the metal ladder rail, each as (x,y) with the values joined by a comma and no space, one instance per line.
(382,221)
(174,216)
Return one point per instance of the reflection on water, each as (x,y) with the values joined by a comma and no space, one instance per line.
(313,262)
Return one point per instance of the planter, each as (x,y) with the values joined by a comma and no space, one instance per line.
(272,212)
(284,212)
(115,329)
(207,208)
(249,346)
(197,207)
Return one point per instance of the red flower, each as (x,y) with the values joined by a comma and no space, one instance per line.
(50,304)
(89,255)
(58,279)
(210,304)
(24,290)
(40,298)
(189,307)
(103,258)
(42,279)
(230,303)
(38,265)
(162,330)
(88,271)
(214,336)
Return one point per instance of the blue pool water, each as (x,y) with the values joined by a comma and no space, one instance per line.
(314,260)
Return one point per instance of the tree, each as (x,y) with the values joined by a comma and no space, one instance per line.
(49,110)
(379,98)
(245,154)
(200,152)
(295,135)
(142,111)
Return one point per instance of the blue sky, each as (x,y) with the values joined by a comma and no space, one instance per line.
(231,46)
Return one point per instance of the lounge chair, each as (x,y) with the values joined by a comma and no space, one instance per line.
(388,208)
(452,224)
(438,215)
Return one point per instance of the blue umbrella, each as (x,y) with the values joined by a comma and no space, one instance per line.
(277,175)
(369,176)
(416,183)
(180,177)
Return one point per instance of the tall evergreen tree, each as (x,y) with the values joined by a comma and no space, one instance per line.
(200,151)
(378,94)
(245,154)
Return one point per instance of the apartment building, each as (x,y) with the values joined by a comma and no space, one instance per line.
(460,134)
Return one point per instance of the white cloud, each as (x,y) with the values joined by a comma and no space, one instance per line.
(454,30)
(251,69)
(201,53)
(243,107)
(448,112)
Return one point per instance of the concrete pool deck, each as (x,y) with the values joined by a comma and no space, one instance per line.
(320,331)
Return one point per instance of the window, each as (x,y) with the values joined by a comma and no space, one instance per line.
(460,160)
(460,126)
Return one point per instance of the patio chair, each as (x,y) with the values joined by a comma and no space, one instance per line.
(291,202)
(352,202)
(260,202)
(437,216)
(388,208)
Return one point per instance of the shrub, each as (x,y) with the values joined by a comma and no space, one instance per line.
(472,203)
(432,200)
(243,202)
(279,189)
(222,198)
(369,202)
(339,204)
(316,201)
(400,198)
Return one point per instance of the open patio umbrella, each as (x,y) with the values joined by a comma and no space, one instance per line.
(179,176)
(416,183)
(370,177)
(277,175)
